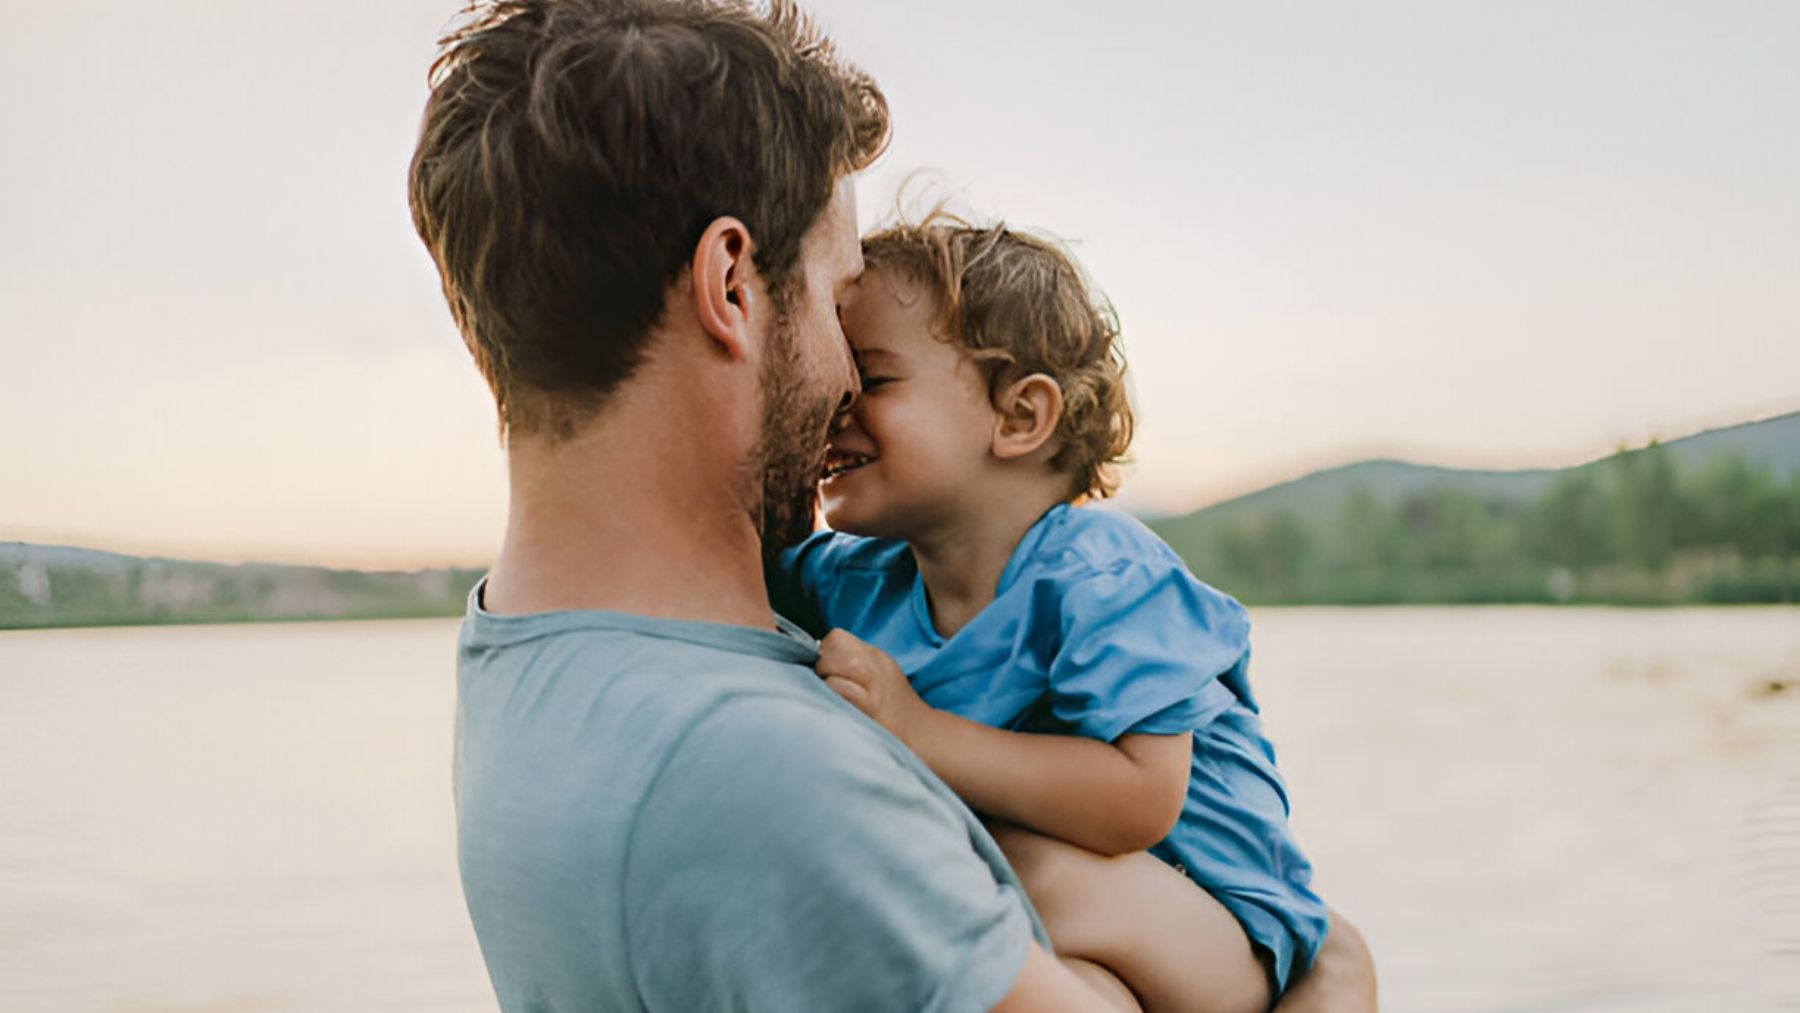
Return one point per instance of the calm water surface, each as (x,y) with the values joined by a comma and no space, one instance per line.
(1525,809)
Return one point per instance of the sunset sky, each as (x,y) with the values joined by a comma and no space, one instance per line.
(1500,235)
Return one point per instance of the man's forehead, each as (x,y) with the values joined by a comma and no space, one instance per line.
(846,247)
(831,245)
(846,258)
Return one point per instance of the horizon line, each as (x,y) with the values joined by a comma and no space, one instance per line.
(412,561)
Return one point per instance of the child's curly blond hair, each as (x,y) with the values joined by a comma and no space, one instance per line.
(1019,304)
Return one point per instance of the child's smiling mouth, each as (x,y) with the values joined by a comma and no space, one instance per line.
(837,462)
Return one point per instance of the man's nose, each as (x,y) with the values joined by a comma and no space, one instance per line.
(849,358)
(841,418)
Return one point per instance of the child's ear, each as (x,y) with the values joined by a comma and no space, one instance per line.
(1026,413)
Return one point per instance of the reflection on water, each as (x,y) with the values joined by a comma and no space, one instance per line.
(1525,809)
(231,818)
(1532,809)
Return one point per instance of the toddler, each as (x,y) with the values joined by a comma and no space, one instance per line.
(1056,664)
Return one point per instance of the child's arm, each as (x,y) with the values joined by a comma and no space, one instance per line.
(1110,798)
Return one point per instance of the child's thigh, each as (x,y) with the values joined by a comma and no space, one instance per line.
(1174,944)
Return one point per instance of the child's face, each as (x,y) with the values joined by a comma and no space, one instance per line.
(911,454)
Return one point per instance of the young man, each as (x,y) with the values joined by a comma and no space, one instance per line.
(643,217)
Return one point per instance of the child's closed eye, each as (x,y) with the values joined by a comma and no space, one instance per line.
(872,382)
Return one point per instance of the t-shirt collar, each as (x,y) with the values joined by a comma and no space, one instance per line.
(782,641)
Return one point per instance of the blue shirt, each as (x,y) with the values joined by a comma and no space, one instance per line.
(1098,629)
(673,816)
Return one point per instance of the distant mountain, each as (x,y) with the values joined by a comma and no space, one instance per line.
(64,555)
(54,585)
(1317,522)
(1772,444)
(1317,496)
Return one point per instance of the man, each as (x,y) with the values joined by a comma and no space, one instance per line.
(643,216)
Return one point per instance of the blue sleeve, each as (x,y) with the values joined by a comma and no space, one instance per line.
(1143,649)
(785,860)
(795,576)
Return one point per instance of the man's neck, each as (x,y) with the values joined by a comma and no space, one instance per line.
(619,520)
(961,562)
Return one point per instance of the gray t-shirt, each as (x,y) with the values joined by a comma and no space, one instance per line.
(676,816)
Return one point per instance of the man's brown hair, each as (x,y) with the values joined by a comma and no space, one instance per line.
(574,151)
(1019,304)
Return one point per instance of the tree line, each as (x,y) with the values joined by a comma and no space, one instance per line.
(1634,528)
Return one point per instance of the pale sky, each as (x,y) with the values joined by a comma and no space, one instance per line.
(1498,235)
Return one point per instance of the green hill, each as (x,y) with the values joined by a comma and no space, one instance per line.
(1707,517)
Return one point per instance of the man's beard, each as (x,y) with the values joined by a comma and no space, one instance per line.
(790,452)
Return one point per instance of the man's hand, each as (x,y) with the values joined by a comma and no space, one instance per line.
(869,679)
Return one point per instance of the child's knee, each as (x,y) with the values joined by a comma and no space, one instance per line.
(1044,865)
(1024,849)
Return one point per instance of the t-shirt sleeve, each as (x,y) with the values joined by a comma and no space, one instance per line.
(784,860)
(1143,647)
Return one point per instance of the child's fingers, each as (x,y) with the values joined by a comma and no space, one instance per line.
(844,655)
(837,666)
(832,656)
(851,691)
(840,642)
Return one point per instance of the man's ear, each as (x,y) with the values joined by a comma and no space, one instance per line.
(725,285)
(1026,415)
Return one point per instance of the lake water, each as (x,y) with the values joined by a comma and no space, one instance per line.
(1525,810)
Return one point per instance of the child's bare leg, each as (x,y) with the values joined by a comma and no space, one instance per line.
(1171,943)
(1342,979)
(1104,982)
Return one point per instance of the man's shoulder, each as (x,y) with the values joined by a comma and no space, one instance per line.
(813,760)
(700,825)
(773,726)
(613,702)
(788,851)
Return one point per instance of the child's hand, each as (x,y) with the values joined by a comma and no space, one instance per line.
(869,679)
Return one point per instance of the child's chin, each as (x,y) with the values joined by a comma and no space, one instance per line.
(848,523)
(851,521)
